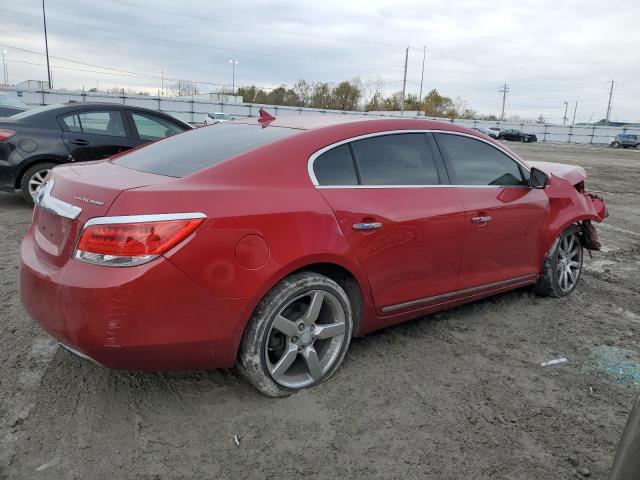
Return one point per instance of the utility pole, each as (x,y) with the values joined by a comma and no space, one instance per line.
(5,74)
(404,82)
(46,44)
(504,90)
(161,82)
(424,56)
(564,119)
(575,109)
(606,122)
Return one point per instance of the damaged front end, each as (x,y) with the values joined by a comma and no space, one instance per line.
(571,203)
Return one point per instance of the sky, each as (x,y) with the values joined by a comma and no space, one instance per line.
(547,52)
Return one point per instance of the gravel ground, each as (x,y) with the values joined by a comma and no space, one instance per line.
(460,394)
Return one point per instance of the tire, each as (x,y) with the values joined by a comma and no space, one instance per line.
(615,144)
(286,339)
(32,178)
(562,266)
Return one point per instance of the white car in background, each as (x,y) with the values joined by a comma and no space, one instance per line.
(217,117)
(493,132)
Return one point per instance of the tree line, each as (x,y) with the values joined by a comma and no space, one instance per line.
(355,95)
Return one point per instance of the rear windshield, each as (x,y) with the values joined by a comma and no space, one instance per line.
(201,148)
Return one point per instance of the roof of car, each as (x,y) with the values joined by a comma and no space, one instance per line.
(46,114)
(318,121)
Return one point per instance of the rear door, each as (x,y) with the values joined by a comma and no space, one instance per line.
(95,134)
(404,224)
(505,218)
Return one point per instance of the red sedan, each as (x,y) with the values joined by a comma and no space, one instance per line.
(268,244)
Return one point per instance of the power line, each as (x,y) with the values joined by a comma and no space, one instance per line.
(201,45)
(253,27)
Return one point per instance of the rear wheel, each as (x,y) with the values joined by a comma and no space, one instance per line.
(33,178)
(615,144)
(562,266)
(298,335)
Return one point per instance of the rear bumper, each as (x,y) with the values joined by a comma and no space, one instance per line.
(150,317)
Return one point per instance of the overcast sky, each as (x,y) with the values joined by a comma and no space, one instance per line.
(548,52)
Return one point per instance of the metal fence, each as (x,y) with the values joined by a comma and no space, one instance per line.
(194,109)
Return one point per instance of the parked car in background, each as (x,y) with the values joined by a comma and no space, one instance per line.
(517,136)
(268,244)
(626,140)
(10,105)
(35,141)
(493,132)
(217,117)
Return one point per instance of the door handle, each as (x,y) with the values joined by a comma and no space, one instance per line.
(79,142)
(481,220)
(367,226)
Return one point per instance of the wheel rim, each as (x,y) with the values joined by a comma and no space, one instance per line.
(569,262)
(305,339)
(37,179)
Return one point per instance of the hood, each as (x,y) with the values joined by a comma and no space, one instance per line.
(571,173)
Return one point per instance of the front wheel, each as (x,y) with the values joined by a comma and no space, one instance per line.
(615,144)
(298,335)
(562,266)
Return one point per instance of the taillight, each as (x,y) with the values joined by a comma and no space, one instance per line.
(6,135)
(133,240)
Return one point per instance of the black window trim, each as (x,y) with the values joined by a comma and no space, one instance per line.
(438,157)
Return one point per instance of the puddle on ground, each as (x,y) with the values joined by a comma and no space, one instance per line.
(619,364)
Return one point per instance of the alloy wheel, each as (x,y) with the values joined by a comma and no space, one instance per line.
(569,262)
(37,179)
(305,339)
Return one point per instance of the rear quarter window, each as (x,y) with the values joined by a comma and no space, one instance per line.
(195,150)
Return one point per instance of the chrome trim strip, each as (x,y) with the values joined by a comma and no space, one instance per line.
(444,296)
(46,202)
(329,187)
(315,155)
(158,217)
(79,354)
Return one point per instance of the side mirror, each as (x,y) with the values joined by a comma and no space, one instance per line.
(538,179)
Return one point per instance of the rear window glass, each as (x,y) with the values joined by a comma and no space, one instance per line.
(201,148)
(336,167)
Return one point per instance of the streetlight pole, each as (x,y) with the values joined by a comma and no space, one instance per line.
(564,119)
(46,44)
(233,75)
(5,74)
(161,82)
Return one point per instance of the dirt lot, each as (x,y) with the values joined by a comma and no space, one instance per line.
(457,395)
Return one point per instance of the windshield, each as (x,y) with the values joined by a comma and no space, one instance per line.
(201,148)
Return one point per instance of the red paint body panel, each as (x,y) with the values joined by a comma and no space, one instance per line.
(416,253)
(504,247)
(189,308)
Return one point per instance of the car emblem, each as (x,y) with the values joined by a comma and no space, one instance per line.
(88,200)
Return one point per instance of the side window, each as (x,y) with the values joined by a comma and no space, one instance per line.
(151,127)
(335,167)
(477,163)
(72,123)
(102,123)
(397,159)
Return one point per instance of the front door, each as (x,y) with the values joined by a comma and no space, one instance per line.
(505,218)
(95,134)
(405,227)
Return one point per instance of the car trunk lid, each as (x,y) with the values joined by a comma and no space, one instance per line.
(74,194)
